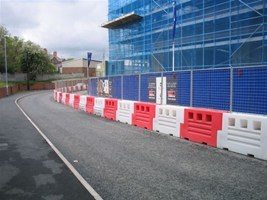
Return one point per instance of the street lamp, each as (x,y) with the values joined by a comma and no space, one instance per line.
(5,64)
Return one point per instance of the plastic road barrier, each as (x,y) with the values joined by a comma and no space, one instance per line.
(90,102)
(55,95)
(244,134)
(63,100)
(71,101)
(168,119)
(59,97)
(111,106)
(143,115)
(99,106)
(125,111)
(84,87)
(69,89)
(76,102)
(67,99)
(82,105)
(201,125)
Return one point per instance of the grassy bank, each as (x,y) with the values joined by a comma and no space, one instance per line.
(3,84)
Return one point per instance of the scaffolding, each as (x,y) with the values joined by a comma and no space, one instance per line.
(209,34)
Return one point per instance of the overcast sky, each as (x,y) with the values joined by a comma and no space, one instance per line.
(70,27)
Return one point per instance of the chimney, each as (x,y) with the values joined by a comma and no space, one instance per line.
(54,54)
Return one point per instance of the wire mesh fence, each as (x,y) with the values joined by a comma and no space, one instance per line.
(232,89)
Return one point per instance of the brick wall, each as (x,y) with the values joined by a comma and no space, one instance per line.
(23,87)
(72,70)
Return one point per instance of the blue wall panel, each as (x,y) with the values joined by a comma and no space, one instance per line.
(130,87)
(92,87)
(144,84)
(250,90)
(211,89)
(116,87)
(183,84)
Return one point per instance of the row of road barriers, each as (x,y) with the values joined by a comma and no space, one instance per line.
(238,132)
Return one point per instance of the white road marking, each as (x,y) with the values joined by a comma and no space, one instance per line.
(89,188)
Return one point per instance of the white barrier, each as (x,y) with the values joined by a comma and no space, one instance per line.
(99,106)
(63,100)
(125,111)
(58,97)
(245,134)
(84,87)
(168,119)
(79,87)
(71,102)
(55,95)
(82,105)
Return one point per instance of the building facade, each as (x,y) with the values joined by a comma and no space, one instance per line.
(208,34)
(80,65)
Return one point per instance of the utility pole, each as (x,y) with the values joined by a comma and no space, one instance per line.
(28,75)
(6,66)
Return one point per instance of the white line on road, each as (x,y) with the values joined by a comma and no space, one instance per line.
(89,188)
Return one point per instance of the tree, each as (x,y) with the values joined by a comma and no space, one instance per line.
(3,33)
(38,62)
(34,61)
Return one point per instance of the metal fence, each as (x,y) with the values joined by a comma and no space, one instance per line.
(238,89)
(70,82)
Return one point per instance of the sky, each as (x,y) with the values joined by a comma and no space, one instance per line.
(70,27)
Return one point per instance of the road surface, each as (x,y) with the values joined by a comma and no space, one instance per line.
(124,162)
(29,168)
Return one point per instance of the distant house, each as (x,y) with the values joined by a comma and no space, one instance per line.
(56,60)
(79,66)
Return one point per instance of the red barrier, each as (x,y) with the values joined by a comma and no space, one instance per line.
(201,125)
(143,115)
(76,102)
(67,100)
(111,106)
(90,102)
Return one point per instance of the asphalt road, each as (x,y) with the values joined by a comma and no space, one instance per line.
(29,168)
(124,162)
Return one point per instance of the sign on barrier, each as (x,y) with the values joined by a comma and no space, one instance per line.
(82,105)
(201,125)
(110,109)
(90,102)
(244,134)
(143,115)
(125,111)
(168,119)
(99,106)
(76,102)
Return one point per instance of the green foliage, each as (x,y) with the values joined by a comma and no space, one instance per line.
(22,56)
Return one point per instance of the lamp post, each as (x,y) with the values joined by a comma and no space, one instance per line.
(6,66)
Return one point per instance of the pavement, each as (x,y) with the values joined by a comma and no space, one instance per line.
(29,168)
(124,162)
